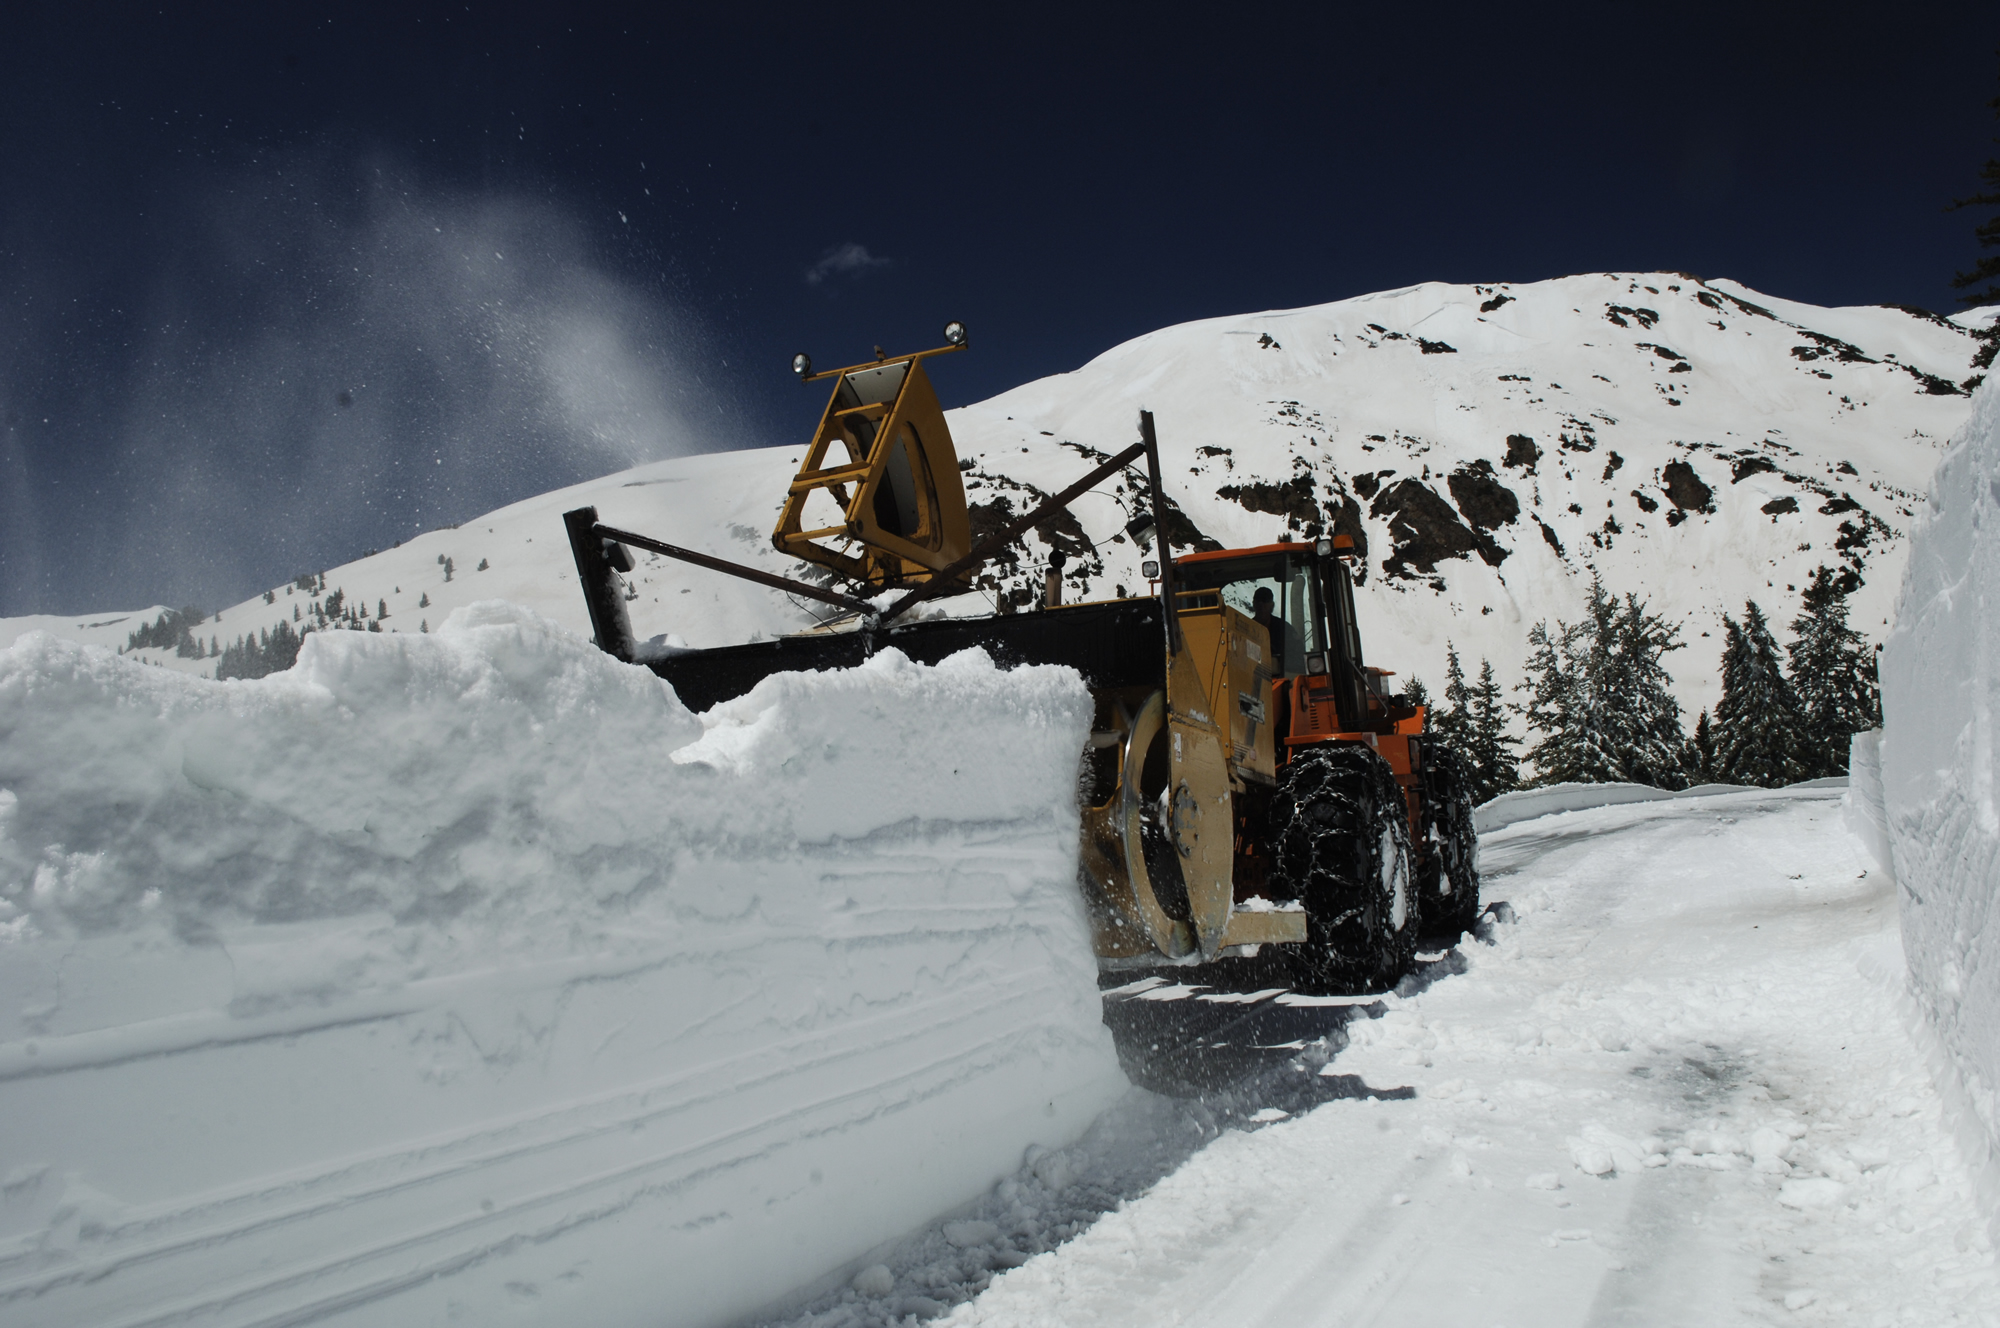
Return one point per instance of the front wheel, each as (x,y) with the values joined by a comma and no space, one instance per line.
(1341,844)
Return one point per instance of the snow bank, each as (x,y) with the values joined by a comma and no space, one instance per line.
(1866,813)
(1940,693)
(1527,804)
(468,974)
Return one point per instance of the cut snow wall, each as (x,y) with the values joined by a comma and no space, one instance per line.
(1939,766)
(1866,813)
(469,975)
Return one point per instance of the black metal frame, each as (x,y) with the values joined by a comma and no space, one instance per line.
(1112,644)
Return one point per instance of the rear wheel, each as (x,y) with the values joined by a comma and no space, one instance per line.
(1341,844)
(1450,850)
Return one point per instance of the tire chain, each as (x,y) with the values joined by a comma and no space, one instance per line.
(1336,807)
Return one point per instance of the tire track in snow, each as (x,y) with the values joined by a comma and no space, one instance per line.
(1681,1007)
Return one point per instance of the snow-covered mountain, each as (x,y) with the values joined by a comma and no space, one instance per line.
(1490,447)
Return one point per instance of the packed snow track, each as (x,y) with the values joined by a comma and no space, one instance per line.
(1678,1087)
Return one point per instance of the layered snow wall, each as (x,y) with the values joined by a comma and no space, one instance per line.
(1940,695)
(469,976)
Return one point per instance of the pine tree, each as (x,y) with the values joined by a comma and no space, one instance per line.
(1833,673)
(1601,698)
(1987,269)
(1452,723)
(1698,761)
(1552,683)
(381,608)
(1416,694)
(281,649)
(1489,746)
(1640,700)
(1757,722)
(1599,728)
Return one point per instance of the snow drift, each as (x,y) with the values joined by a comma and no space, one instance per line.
(1940,695)
(468,973)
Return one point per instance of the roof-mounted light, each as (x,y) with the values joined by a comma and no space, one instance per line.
(802,364)
(954,332)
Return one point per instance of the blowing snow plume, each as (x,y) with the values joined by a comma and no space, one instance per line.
(333,361)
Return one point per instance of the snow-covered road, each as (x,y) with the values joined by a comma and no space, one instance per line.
(1678,1089)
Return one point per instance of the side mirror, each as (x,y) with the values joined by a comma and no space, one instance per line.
(1142,529)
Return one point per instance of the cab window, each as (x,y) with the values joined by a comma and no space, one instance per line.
(1273,585)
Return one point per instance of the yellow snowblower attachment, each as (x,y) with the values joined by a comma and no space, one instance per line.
(878,496)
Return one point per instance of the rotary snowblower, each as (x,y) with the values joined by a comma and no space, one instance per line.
(1251,788)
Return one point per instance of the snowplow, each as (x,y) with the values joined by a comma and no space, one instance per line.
(1251,789)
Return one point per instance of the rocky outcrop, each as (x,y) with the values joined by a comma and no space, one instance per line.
(1427,531)
(1685,489)
(1486,503)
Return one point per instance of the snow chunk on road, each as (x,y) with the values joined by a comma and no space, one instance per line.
(1818,1192)
(468,974)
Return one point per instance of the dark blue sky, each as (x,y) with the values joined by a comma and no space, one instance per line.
(280,285)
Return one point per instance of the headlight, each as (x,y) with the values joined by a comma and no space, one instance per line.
(954,332)
(1150,569)
(1324,548)
(802,364)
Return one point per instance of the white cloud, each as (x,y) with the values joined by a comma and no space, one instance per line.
(842,260)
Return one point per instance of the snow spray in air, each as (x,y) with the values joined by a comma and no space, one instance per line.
(338,358)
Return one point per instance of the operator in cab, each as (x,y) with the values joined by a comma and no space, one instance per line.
(1284,638)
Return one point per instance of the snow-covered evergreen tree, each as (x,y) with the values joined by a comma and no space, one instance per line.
(1833,673)
(1599,696)
(1698,760)
(1490,747)
(1639,698)
(1451,723)
(1758,723)
(1553,685)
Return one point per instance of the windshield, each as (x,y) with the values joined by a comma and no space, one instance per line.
(1275,590)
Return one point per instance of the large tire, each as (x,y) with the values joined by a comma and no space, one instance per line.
(1450,849)
(1341,844)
